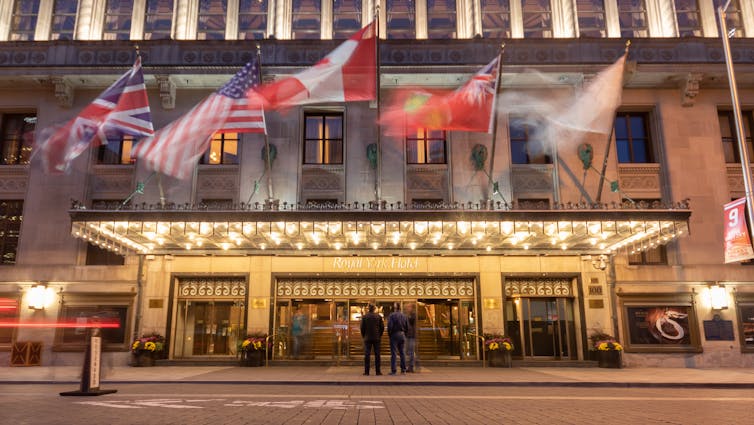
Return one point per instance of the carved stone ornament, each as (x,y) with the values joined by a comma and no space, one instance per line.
(690,88)
(63,91)
(167,91)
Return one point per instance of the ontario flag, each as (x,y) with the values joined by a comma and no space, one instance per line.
(471,107)
(122,109)
(346,74)
(175,149)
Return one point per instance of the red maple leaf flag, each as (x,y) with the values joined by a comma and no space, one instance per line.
(346,74)
(471,107)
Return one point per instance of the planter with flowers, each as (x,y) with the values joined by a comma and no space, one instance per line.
(498,350)
(147,349)
(253,350)
(609,351)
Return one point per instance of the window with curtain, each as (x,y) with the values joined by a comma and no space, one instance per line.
(64,19)
(158,20)
(346,18)
(212,20)
(688,18)
(24,20)
(426,146)
(525,149)
(441,18)
(323,138)
(252,19)
(306,19)
(633,138)
(11,216)
(17,138)
(632,15)
(118,20)
(401,19)
(223,150)
(591,17)
(537,16)
(496,18)
(729,138)
(116,151)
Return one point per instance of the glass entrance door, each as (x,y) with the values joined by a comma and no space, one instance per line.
(209,328)
(543,327)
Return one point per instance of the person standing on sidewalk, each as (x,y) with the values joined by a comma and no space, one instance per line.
(397,326)
(411,354)
(372,328)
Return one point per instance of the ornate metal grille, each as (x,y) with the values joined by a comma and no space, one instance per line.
(538,287)
(210,286)
(390,288)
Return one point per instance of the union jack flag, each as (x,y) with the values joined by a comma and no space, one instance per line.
(175,149)
(123,108)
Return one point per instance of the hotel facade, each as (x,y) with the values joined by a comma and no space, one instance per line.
(620,234)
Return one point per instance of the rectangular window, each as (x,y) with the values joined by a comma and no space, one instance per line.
(96,256)
(252,20)
(729,138)
(9,313)
(158,20)
(632,138)
(212,19)
(323,138)
(689,19)
(496,18)
(24,20)
(306,19)
(441,18)
(733,17)
(591,15)
(85,310)
(64,19)
(426,147)
(118,20)
(223,150)
(745,303)
(11,216)
(537,15)
(401,19)
(17,138)
(346,18)
(632,15)
(116,152)
(525,148)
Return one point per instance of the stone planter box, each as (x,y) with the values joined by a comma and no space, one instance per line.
(499,358)
(610,359)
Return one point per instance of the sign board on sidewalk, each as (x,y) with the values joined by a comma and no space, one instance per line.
(737,239)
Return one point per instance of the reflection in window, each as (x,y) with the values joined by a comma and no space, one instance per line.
(728,135)
(426,147)
(306,19)
(116,151)
(526,148)
(496,18)
(88,311)
(118,20)
(212,16)
(9,313)
(11,216)
(632,138)
(632,15)
(64,19)
(252,20)
(537,16)
(223,150)
(24,20)
(346,18)
(733,16)
(441,18)
(401,19)
(158,22)
(323,138)
(689,20)
(17,138)
(591,15)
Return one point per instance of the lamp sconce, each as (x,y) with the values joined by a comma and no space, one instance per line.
(718,297)
(40,297)
(600,262)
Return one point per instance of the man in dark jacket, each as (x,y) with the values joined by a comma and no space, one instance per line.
(397,326)
(372,328)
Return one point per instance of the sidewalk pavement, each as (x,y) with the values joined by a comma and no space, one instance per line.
(436,376)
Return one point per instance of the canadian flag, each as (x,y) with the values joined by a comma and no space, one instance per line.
(347,74)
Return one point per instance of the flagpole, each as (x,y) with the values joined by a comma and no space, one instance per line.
(268,161)
(743,153)
(491,188)
(378,169)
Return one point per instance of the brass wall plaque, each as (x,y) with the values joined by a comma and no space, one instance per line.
(491,303)
(155,303)
(259,303)
(596,304)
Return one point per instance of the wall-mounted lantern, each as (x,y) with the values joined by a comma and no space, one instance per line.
(718,297)
(40,297)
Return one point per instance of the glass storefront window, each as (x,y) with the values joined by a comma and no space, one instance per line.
(209,327)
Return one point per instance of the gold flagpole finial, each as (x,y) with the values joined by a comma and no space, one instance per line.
(136,46)
(628,44)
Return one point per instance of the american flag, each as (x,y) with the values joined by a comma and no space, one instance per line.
(243,118)
(175,149)
(123,108)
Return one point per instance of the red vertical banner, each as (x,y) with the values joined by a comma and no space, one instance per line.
(737,239)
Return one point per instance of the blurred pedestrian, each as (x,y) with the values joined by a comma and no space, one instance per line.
(372,328)
(412,356)
(397,326)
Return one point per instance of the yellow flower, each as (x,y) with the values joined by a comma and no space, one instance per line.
(507,346)
(245,344)
(494,346)
(135,345)
(257,345)
(150,346)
